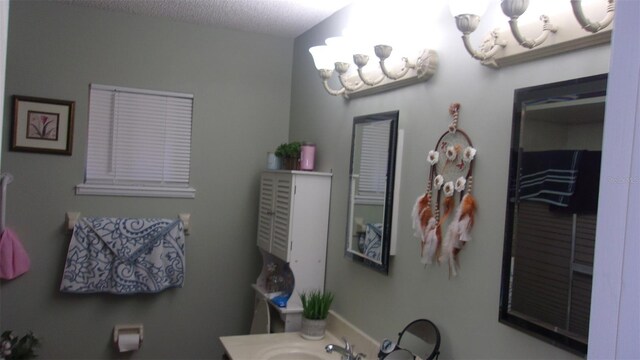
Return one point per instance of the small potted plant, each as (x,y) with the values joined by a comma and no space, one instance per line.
(18,348)
(315,309)
(289,153)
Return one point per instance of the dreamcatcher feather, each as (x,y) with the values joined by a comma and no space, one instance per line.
(458,232)
(427,221)
(424,224)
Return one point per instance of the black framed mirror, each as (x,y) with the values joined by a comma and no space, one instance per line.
(552,203)
(371,183)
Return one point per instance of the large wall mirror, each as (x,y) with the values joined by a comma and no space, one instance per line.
(371,184)
(552,206)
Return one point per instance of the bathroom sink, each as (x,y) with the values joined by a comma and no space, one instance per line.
(291,346)
(293,353)
(294,356)
(281,346)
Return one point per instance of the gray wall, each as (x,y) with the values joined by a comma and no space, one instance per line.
(237,118)
(55,51)
(465,308)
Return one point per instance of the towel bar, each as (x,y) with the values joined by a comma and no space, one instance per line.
(186,222)
(71,218)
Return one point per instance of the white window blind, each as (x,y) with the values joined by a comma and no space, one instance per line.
(373,162)
(139,143)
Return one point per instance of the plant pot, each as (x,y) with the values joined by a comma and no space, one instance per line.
(313,329)
(291,163)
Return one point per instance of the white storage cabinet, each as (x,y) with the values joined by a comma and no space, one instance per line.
(293,225)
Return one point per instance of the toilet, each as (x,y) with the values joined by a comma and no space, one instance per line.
(261,323)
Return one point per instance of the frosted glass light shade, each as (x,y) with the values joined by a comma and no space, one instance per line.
(340,49)
(322,57)
(514,8)
(471,7)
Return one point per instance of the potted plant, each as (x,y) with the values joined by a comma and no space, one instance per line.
(13,347)
(289,153)
(315,309)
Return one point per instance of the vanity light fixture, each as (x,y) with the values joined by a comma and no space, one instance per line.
(514,9)
(336,55)
(586,24)
(467,14)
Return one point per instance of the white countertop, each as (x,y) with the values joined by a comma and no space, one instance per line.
(282,346)
(278,346)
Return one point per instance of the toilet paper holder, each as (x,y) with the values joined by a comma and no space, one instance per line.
(127,329)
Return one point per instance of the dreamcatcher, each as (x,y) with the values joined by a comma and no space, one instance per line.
(450,177)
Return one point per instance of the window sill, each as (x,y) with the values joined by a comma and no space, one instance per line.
(132,190)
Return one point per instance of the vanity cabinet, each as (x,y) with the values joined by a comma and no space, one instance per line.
(292,233)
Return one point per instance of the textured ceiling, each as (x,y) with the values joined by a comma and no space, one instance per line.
(283,18)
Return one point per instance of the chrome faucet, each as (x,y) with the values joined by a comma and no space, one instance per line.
(346,351)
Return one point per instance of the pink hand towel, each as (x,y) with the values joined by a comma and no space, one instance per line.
(14,260)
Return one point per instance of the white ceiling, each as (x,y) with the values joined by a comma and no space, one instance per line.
(283,18)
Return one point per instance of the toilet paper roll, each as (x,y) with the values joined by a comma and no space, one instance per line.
(128,342)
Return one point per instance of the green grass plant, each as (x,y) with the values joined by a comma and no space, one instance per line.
(316,304)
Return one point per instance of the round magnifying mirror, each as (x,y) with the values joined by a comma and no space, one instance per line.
(400,354)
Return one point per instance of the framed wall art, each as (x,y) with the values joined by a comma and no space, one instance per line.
(42,125)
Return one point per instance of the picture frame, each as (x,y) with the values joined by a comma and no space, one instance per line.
(42,125)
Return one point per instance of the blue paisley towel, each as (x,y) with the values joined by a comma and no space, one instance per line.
(372,246)
(124,256)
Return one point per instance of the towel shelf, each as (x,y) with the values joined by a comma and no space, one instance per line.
(71,218)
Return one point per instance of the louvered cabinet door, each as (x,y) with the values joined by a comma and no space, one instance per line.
(265,211)
(282,216)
